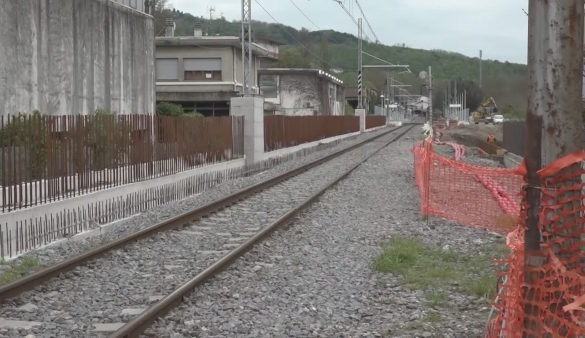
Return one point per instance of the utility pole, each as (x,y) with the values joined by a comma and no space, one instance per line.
(211,11)
(360,68)
(247,71)
(480,70)
(554,129)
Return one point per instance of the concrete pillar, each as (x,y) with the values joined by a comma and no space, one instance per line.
(252,108)
(362,115)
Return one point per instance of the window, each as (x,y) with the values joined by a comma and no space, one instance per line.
(269,86)
(202,69)
(167,69)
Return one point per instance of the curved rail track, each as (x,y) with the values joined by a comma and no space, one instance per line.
(233,220)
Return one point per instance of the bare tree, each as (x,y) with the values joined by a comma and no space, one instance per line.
(160,10)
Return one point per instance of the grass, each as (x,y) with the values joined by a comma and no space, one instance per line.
(18,268)
(433,317)
(436,299)
(427,267)
(484,287)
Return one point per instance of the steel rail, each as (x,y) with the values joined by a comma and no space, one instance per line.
(140,323)
(26,283)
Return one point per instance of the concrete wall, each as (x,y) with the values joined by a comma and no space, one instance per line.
(75,56)
(136,4)
(306,94)
(181,52)
(300,94)
(231,74)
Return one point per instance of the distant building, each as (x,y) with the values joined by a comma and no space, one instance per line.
(351,96)
(289,91)
(203,72)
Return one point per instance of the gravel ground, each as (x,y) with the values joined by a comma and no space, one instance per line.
(59,251)
(315,278)
(115,288)
(471,156)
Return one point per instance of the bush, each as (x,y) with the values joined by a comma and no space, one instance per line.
(349,110)
(193,114)
(169,109)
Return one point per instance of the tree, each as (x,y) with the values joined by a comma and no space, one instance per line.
(325,62)
(169,109)
(160,11)
(291,58)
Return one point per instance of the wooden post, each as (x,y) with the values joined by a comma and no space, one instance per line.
(554,121)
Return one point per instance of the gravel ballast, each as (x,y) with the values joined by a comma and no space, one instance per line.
(111,290)
(58,251)
(316,279)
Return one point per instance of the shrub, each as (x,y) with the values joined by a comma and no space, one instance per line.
(169,109)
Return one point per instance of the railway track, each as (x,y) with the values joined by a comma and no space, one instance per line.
(141,277)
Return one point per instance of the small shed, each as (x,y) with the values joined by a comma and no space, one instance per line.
(290,91)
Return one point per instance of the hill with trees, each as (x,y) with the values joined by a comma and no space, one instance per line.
(337,52)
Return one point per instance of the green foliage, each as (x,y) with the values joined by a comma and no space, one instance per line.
(169,109)
(325,63)
(506,82)
(19,268)
(511,112)
(30,132)
(436,299)
(193,114)
(427,267)
(433,317)
(349,110)
(483,287)
(292,58)
(108,137)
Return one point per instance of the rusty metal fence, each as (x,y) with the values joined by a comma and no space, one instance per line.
(514,138)
(47,158)
(373,121)
(282,131)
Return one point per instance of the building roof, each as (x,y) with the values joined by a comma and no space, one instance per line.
(306,71)
(258,48)
(353,91)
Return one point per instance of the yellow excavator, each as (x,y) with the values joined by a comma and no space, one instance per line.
(485,113)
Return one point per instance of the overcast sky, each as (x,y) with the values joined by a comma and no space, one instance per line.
(499,27)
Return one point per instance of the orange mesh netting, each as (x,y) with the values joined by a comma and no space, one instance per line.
(541,300)
(472,195)
(549,302)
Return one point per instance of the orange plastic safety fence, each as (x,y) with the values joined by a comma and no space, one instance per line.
(471,195)
(547,300)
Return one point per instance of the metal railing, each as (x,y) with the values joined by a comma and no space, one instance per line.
(286,131)
(373,121)
(48,158)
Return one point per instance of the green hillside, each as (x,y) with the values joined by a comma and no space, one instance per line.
(335,51)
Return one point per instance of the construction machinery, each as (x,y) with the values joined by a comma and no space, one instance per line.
(485,112)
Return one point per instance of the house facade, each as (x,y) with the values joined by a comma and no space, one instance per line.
(351,95)
(289,91)
(202,73)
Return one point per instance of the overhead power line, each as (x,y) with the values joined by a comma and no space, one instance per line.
(367,22)
(303,13)
(351,16)
(289,34)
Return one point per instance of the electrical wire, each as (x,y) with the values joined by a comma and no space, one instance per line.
(289,34)
(352,18)
(303,13)
(367,21)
